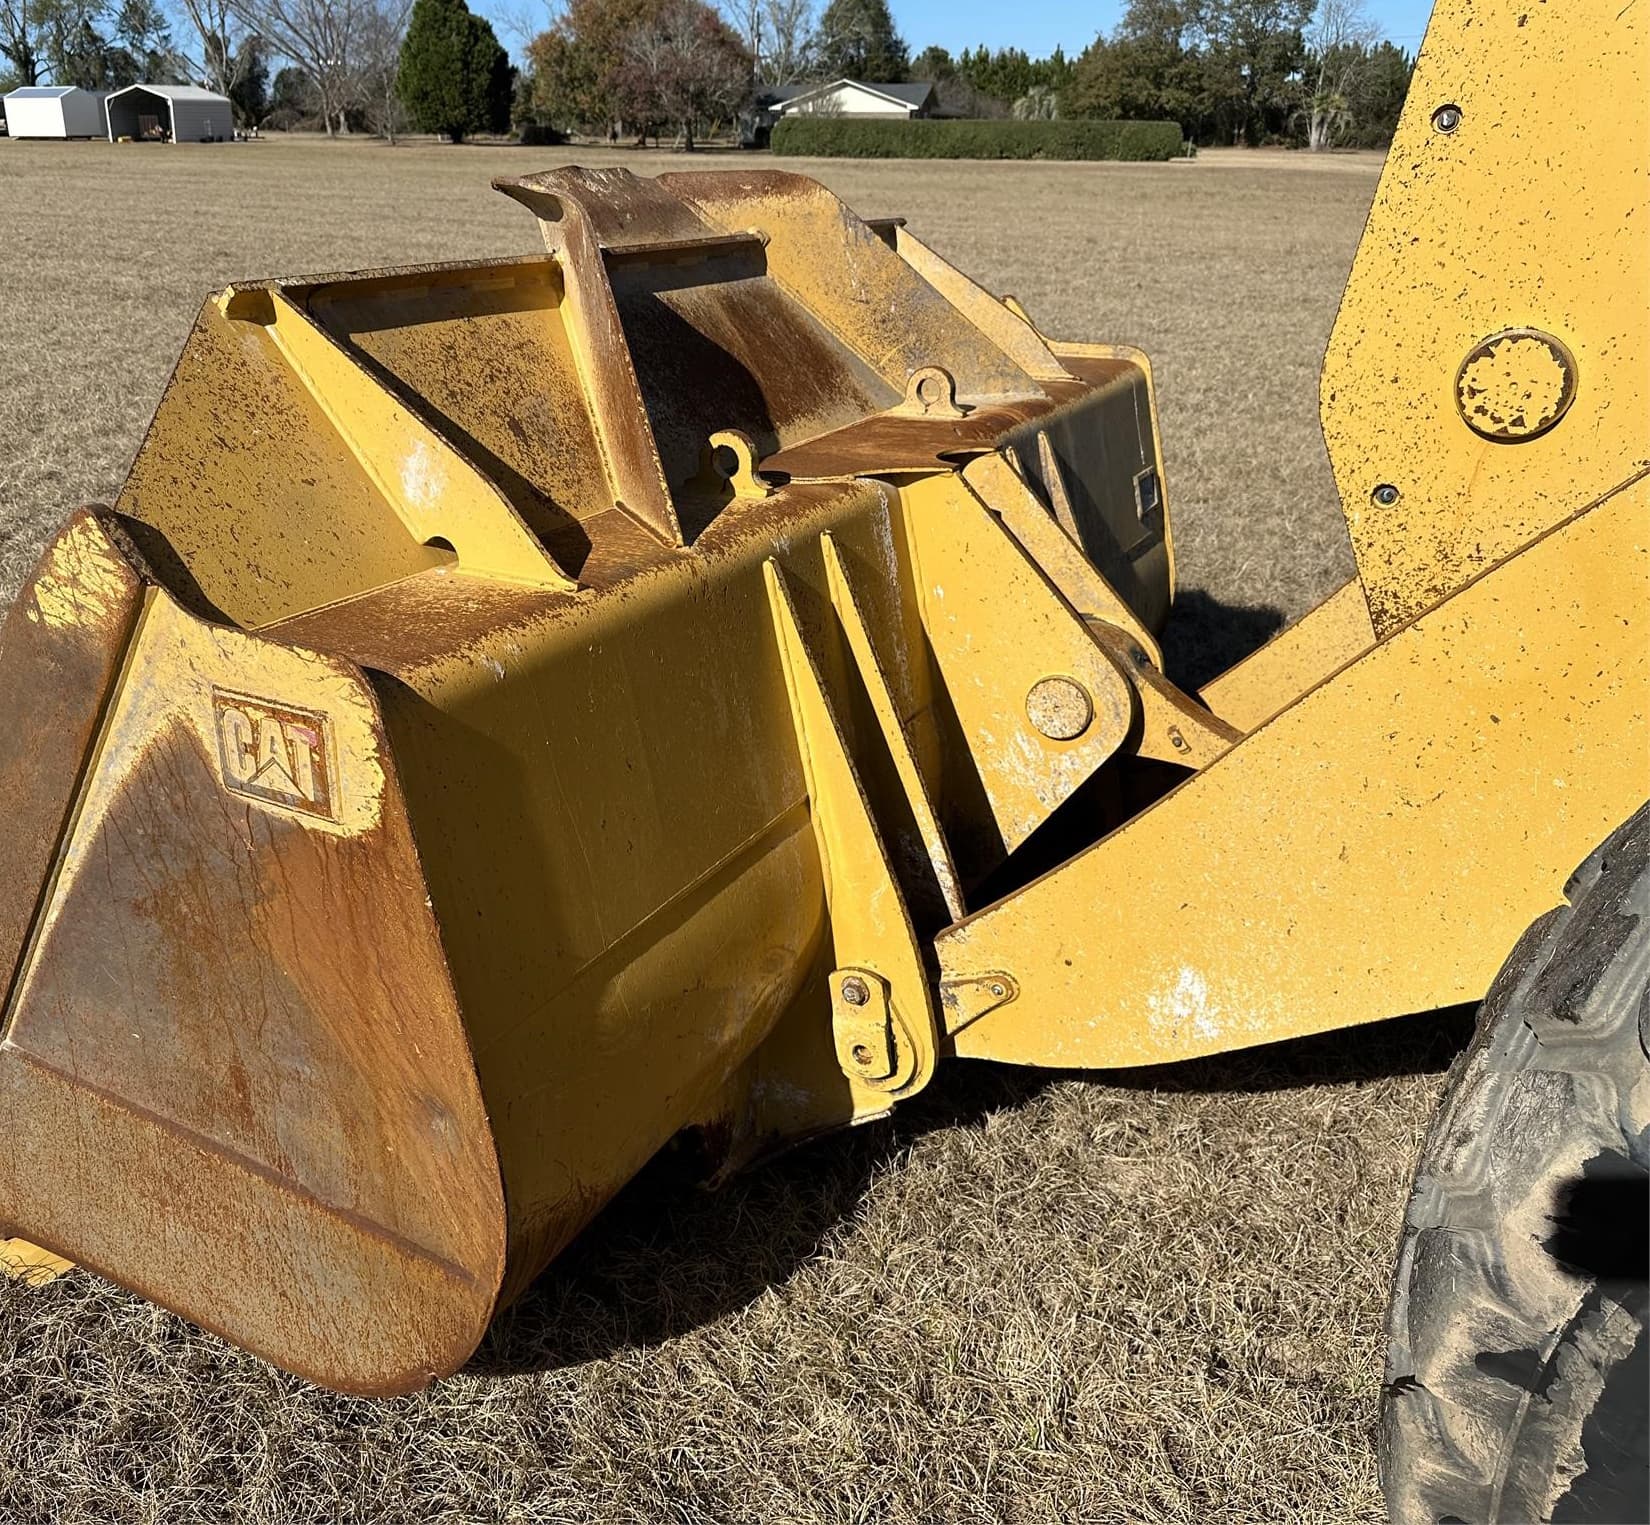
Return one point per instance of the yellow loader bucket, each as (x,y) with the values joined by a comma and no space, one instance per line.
(412,833)
(704,676)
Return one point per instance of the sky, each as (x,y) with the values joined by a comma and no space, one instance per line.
(1038,26)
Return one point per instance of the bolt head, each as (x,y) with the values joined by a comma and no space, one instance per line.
(862,1055)
(1059,708)
(855,991)
(1446,119)
(998,989)
(1385,495)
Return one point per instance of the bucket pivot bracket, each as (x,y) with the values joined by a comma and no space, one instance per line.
(862,1027)
(882,1013)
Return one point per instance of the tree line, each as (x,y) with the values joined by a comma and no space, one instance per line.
(1311,72)
(1247,71)
(1307,72)
(349,65)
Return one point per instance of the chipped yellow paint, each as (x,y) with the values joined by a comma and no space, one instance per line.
(1532,211)
(1516,385)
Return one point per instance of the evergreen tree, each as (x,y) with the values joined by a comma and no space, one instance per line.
(145,36)
(1380,94)
(249,94)
(857,40)
(934,64)
(453,78)
(293,96)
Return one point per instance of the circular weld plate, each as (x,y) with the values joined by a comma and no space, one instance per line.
(1515,385)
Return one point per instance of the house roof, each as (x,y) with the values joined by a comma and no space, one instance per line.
(175,93)
(914,93)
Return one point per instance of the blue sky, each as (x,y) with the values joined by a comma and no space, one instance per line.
(1035,25)
(1038,25)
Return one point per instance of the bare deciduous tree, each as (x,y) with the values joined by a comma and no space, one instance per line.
(19,39)
(1339,41)
(223,57)
(523,23)
(382,29)
(683,65)
(788,38)
(745,17)
(324,38)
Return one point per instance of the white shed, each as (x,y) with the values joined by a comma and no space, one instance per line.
(168,114)
(54,111)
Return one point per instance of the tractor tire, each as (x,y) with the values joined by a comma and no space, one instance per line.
(1517,1373)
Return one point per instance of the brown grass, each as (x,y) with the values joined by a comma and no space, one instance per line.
(1143,1297)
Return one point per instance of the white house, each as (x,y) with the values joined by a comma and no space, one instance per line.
(54,111)
(168,114)
(852,97)
(841,97)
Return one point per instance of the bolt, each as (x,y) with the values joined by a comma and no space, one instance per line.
(1060,708)
(998,989)
(1385,495)
(862,1055)
(1446,118)
(855,991)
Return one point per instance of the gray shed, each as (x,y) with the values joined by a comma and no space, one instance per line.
(54,111)
(168,114)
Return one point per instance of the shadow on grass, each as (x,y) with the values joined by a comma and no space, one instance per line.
(1204,636)
(668,1256)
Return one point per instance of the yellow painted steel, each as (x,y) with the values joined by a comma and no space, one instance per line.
(882,1019)
(1516,197)
(1299,658)
(1375,849)
(707,676)
(28,1263)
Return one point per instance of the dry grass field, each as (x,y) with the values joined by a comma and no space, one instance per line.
(1151,1296)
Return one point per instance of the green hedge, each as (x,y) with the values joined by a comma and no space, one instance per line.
(859,138)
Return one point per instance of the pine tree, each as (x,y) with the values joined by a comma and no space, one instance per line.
(453,78)
(857,40)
